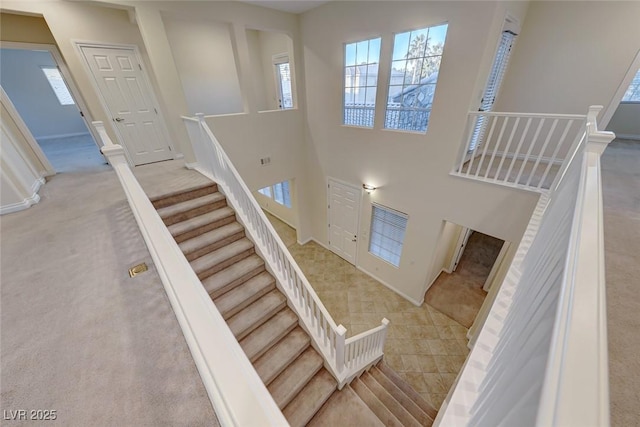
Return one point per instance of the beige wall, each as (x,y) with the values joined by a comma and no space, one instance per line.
(571,55)
(626,121)
(410,170)
(26,29)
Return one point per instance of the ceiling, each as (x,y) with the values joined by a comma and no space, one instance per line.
(291,6)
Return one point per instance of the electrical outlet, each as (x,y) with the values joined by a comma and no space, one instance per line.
(265,161)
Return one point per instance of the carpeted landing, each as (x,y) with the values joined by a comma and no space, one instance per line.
(460,295)
(246,295)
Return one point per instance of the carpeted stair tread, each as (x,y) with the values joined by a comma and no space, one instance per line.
(182,195)
(221,258)
(242,295)
(345,408)
(408,404)
(191,208)
(293,379)
(274,361)
(234,275)
(211,240)
(268,334)
(243,323)
(407,389)
(192,227)
(304,406)
(395,406)
(378,408)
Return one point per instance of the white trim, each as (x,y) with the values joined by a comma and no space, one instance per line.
(79,45)
(26,203)
(26,133)
(62,135)
(628,136)
(278,216)
(622,88)
(496,265)
(402,294)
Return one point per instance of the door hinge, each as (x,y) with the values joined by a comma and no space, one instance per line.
(140,66)
(170,148)
(155,110)
(81,114)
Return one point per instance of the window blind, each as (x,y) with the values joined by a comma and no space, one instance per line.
(387,233)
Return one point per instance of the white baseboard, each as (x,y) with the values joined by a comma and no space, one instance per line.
(402,294)
(26,203)
(278,217)
(178,156)
(62,135)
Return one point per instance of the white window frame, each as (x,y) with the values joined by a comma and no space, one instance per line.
(415,110)
(58,84)
(356,78)
(395,223)
(271,192)
(277,60)
(633,90)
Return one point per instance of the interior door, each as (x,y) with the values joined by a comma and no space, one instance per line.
(344,208)
(131,104)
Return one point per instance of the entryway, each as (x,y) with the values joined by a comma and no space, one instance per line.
(343,212)
(36,93)
(460,289)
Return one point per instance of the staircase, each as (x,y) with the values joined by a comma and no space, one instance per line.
(226,263)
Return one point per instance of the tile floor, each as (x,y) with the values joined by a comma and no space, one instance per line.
(423,345)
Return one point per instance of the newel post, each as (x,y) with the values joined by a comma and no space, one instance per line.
(385,323)
(114,153)
(597,140)
(341,332)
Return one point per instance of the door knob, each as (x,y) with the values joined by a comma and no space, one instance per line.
(119,119)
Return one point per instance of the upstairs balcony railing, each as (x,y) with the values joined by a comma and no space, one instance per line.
(540,359)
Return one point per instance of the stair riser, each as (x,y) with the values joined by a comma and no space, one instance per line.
(399,395)
(226,288)
(291,393)
(204,228)
(213,246)
(191,213)
(235,310)
(267,379)
(203,274)
(183,197)
(239,334)
(396,407)
(274,341)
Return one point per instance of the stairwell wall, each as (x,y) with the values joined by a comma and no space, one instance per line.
(410,170)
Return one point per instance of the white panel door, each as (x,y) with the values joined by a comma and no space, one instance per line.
(344,208)
(127,94)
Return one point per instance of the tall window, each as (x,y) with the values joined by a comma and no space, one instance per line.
(279,192)
(361,62)
(414,74)
(633,92)
(496,76)
(58,85)
(283,81)
(387,233)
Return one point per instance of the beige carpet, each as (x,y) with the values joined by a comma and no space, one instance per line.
(460,295)
(78,335)
(621,183)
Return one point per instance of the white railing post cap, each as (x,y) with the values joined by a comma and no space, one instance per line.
(385,321)
(341,330)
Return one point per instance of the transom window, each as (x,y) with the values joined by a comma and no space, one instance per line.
(361,60)
(388,228)
(279,192)
(58,85)
(633,92)
(414,73)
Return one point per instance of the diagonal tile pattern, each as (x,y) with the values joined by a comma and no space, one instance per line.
(423,345)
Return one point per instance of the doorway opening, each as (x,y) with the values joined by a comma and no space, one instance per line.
(468,262)
(35,84)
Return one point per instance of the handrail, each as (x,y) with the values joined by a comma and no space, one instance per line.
(521,150)
(237,393)
(327,336)
(541,356)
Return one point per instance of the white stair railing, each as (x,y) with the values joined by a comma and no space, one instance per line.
(237,393)
(344,358)
(518,149)
(541,357)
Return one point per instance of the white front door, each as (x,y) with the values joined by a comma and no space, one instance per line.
(344,208)
(130,102)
